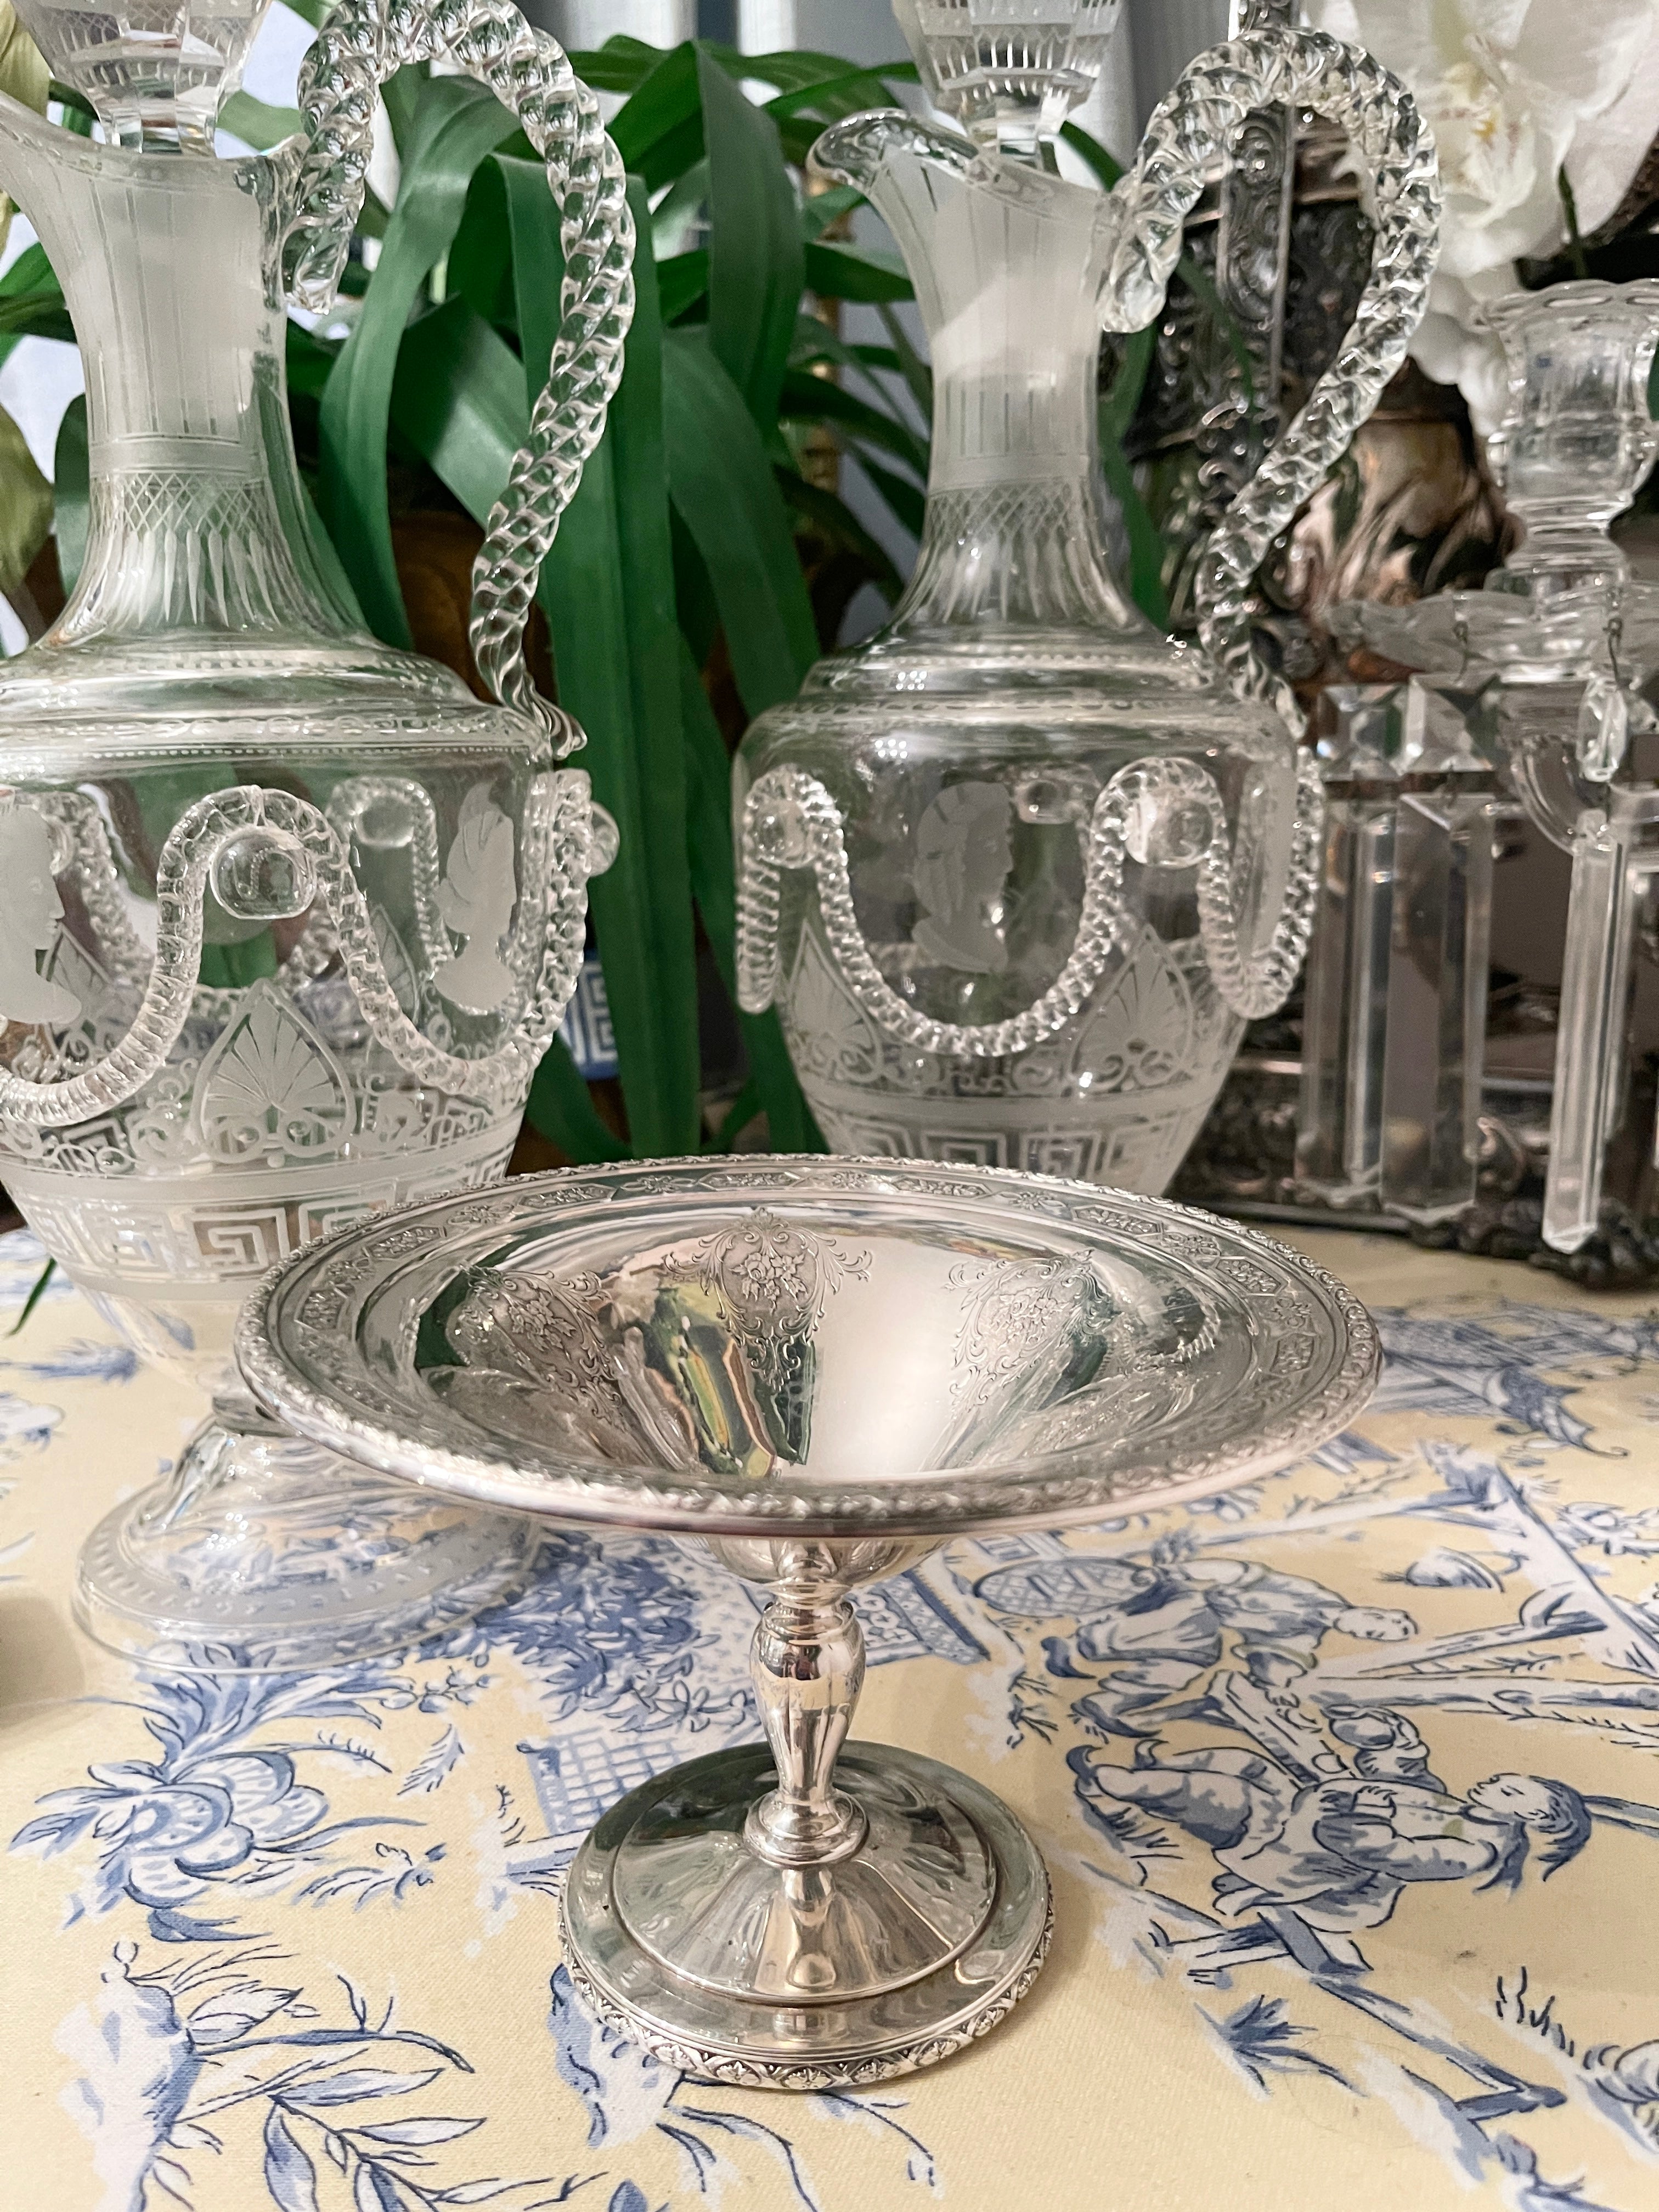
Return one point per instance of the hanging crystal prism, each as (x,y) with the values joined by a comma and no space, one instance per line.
(1440,953)
(1611,854)
(1339,1147)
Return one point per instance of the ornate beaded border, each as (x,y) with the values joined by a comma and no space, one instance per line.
(325,1391)
(783,2074)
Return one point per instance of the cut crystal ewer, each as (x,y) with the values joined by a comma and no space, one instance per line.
(819,1371)
(1017,872)
(289,917)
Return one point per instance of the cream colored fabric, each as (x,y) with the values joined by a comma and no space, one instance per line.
(1348,1785)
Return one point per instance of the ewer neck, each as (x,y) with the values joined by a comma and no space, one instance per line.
(197,521)
(1005,260)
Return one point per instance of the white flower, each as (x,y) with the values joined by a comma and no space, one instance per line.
(1514,91)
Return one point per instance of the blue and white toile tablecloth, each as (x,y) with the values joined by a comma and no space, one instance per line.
(1349,1782)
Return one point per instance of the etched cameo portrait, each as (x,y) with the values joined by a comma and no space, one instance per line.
(964,851)
(29,914)
(476,900)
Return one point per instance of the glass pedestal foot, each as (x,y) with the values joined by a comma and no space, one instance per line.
(263,1553)
(684,1928)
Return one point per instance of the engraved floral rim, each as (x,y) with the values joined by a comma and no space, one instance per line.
(317,1379)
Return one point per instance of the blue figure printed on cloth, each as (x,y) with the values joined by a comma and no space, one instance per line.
(1334,1853)
(1162,1625)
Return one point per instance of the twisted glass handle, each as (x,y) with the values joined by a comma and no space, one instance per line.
(361,45)
(1148,208)
(558,841)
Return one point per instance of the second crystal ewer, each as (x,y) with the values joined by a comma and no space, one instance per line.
(290,916)
(821,1370)
(1017,870)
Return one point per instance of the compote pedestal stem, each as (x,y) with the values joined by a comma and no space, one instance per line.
(807,1665)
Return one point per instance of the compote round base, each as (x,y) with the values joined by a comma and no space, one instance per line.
(263,1553)
(688,1941)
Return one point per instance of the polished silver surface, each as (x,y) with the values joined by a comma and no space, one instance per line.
(809,1347)
(809,2018)
(816,1369)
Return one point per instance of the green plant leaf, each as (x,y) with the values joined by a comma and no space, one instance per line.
(916,373)
(40,314)
(659,130)
(25,505)
(621,65)
(258,123)
(1117,411)
(800,69)
(816,341)
(817,213)
(721,483)
(836,272)
(1105,165)
(608,590)
(809,398)
(907,502)
(310,363)
(32,302)
(401,94)
(561,1108)
(68,485)
(745,1108)
(460,399)
(684,197)
(708,830)
(827,99)
(456,124)
(835,522)
(36,1291)
(757,258)
(233,966)
(480,263)
(682,280)
(75,111)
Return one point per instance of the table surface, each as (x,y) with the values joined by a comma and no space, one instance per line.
(1349,1784)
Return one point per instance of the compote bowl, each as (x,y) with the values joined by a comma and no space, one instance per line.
(820,1370)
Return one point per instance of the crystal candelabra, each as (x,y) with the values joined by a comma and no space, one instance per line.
(1544,669)
(291,916)
(1017,870)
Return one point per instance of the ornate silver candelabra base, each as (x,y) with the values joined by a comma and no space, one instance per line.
(261,1552)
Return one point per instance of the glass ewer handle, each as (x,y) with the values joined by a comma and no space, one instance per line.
(361,44)
(1142,220)
(252,845)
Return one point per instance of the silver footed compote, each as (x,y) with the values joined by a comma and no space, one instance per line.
(819,1369)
